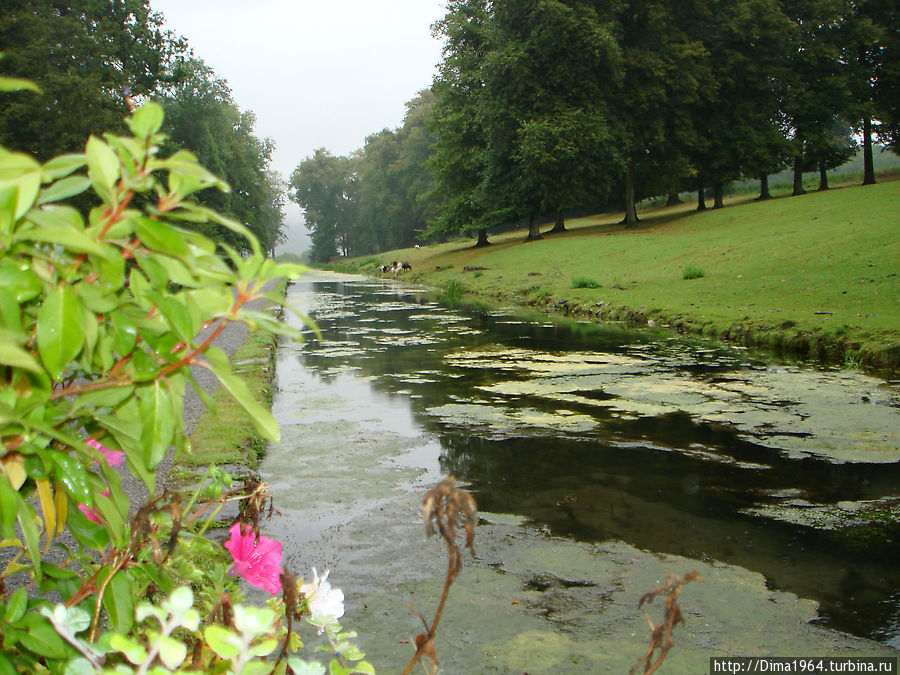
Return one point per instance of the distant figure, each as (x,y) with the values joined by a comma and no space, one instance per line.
(417,246)
(384,269)
(407,266)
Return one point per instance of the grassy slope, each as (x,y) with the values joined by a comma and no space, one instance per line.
(771,270)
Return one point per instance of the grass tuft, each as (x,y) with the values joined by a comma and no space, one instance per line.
(692,272)
(585,282)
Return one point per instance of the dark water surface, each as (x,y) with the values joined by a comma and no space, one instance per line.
(672,445)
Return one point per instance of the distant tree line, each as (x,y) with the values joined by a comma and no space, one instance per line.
(546,106)
(89,56)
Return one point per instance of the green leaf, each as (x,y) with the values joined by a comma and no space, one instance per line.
(21,283)
(16,606)
(160,237)
(79,666)
(54,231)
(60,330)
(146,120)
(62,166)
(8,509)
(119,602)
(20,181)
(171,651)
(364,667)
(6,667)
(261,418)
(159,427)
(103,169)
(18,84)
(30,534)
(64,188)
(41,637)
(88,533)
(69,471)
(221,641)
(131,649)
(11,355)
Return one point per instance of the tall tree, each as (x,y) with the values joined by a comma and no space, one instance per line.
(82,54)
(459,150)
(201,116)
(664,68)
(323,185)
(550,145)
(816,84)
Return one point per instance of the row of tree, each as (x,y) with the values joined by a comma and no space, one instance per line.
(544,106)
(89,56)
(378,198)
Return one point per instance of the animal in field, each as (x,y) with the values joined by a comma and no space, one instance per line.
(384,269)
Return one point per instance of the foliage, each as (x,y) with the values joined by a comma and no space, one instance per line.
(379,198)
(82,56)
(102,316)
(201,116)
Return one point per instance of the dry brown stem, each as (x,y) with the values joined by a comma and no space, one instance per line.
(661,635)
(443,508)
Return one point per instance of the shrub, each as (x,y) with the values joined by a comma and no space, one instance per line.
(101,314)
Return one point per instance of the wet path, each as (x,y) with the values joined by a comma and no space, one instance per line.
(618,458)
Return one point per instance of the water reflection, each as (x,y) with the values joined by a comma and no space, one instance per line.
(670,444)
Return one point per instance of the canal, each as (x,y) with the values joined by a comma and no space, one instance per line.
(601,458)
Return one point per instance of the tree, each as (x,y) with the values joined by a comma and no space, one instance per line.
(203,117)
(83,56)
(549,77)
(323,186)
(664,68)
(459,148)
(815,85)
(745,43)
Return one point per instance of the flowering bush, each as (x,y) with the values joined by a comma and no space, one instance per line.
(103,311)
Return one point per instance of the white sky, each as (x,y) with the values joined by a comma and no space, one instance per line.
(317,73)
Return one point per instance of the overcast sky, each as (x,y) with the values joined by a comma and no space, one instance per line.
(317,73)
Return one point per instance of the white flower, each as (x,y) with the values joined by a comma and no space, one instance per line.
(326,604)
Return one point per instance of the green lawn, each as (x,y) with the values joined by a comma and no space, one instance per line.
(819,272)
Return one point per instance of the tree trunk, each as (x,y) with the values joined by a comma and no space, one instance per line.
(534,228)
(701,197)
(798,177)
(673,199)
(764,188)
(482,238)
(560,224)
(823,177)
(868,160)
(718,196)
(630,211)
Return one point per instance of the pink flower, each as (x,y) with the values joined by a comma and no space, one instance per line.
(91,512)
(256,561)
(112,457)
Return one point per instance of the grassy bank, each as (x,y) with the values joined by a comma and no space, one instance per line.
(816,275)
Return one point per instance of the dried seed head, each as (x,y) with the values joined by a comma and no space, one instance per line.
(444,505)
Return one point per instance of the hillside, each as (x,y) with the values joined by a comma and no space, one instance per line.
(818,275)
